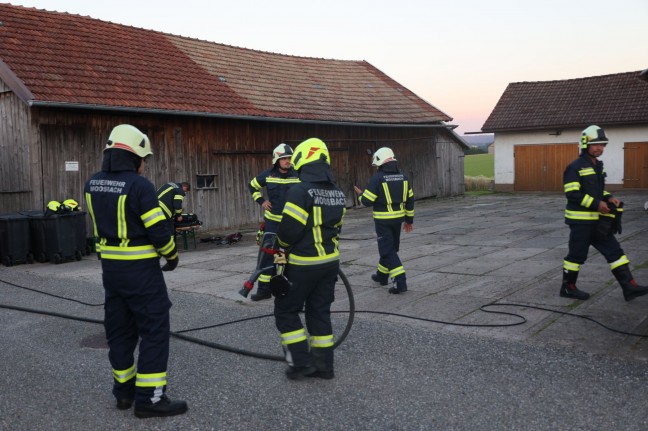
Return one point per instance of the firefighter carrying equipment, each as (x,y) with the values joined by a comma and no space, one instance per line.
(129,138)
(381,156)
(592,135)
(281,151)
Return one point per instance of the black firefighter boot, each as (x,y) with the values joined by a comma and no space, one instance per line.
(323,361)
(299,361)
(569,289)
(164,407)
(381,278)
(400,285)
(263,292)
(631,289)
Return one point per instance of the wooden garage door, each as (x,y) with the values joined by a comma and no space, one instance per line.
(540,167)
(635,165)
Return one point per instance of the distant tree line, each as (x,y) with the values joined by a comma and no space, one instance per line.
(476,150)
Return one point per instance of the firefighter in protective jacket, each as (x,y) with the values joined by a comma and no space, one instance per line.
(390,193)
(171,197)
(277,180)
(309,231)
(589,213)
(129,225)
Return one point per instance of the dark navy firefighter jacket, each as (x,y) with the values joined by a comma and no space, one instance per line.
(584,184)
(390,193)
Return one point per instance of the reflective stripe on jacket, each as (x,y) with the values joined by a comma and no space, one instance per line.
(312,219)
(277,185)
(584,186)
(171,197)
(126,216)
(390,193)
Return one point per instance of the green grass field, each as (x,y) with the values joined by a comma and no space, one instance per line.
(479,165)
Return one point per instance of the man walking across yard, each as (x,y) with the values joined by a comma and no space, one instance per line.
(591,213)
(390,193)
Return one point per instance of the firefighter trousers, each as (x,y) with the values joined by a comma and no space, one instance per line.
(389,265)
(137,306)
(313,290)
(581,236)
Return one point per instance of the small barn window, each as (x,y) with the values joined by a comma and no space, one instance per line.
(206,181)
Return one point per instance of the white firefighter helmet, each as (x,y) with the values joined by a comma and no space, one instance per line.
(592,135)
(129,138)
(282,150)
(381,156)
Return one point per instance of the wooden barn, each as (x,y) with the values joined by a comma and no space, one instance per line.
(213,113)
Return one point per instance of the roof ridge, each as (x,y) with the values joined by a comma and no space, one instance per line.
(583,78)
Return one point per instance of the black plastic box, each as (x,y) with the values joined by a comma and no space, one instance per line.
(58,237)
(15,239)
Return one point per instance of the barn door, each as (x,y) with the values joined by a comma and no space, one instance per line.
(540,168)
(635,165)
(70,156)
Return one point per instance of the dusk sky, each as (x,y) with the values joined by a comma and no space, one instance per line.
(459,55)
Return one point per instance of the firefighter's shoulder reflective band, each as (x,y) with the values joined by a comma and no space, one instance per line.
(296,212)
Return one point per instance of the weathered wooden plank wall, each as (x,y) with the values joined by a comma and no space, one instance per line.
(449,166)
(234,151)
(15,151)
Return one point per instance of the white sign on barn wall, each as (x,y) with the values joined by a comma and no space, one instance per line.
(71,166)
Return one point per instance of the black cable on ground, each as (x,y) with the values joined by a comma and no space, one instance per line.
(50,313)
(180,334)
(522,320)
(564,313)
(50,294)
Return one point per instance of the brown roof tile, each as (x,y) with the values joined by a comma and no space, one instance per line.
(616,99)
(64,58)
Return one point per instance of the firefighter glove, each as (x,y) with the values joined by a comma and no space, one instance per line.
(170,264)
(280,258)
(616,226)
